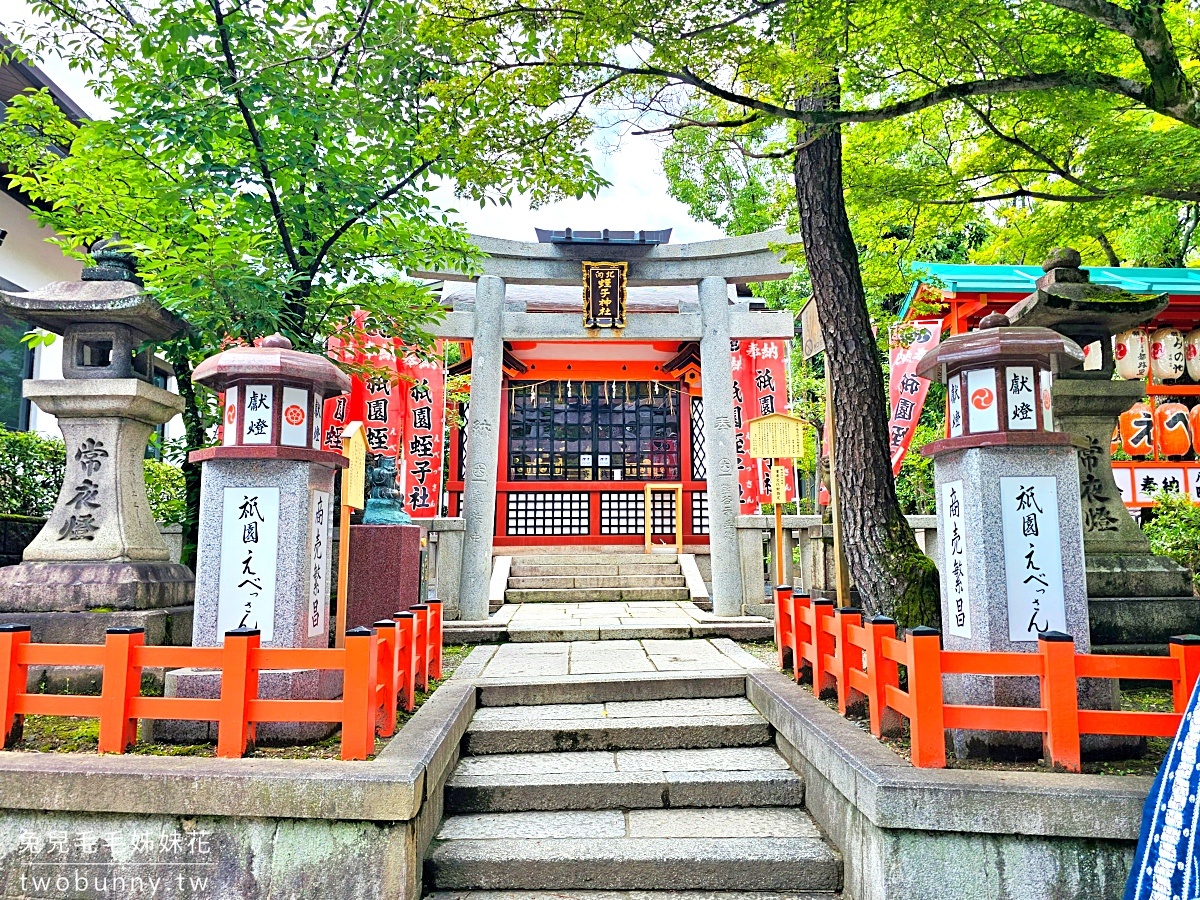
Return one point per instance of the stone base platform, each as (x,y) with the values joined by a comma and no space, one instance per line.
(606,620)
(286,684)
(1141,620)
(70,587)
(170,627)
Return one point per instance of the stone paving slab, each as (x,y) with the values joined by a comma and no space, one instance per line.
(619,656)
(741,822)
(560,824)
(646,733)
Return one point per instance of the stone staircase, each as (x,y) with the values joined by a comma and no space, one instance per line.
(590,576)
(658,796)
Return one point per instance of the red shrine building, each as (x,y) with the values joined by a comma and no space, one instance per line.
(612,377)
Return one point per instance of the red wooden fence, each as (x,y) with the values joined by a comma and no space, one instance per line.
(860,660)
(381,667)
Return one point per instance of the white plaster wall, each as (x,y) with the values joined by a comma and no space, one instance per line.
(30,262)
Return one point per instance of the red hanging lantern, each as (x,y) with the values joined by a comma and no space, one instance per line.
(1136,425)
(1172,430)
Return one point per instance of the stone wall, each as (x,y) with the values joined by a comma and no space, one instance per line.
(947,834)
(248,829)
(16,533)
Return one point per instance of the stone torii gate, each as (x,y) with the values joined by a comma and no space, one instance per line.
(712,319)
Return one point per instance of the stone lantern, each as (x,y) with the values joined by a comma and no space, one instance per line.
(100,547)
(1009,516)
(266,524)
(1121,567)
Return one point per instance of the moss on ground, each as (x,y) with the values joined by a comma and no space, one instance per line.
(63,734)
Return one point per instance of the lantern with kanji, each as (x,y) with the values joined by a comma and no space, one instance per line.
(274,395)
(1136,426)
(998,378)
(1172,429)
(1191,352)
(1166,354)
(1131,352)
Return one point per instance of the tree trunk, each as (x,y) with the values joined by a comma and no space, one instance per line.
(889,570)
(196,437)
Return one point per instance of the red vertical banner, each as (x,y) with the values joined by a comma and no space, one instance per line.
(743,411)
(383,401)
(766,363)
(423,439)
(907,343)
(339,409)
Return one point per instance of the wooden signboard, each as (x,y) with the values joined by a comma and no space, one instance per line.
(777,436)
(354,482)
(810,331)
(604,294)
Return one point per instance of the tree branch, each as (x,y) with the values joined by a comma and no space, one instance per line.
(256,141)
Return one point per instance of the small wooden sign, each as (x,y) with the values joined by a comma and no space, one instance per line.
(604,294)
(354,448)
(779,484)
(812,341)
(777,436)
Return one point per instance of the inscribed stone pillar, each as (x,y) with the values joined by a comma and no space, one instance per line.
(483,424)
(716,378)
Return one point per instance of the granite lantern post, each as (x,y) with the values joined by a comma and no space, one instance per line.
(1009,516)
(1120,564)
(266,524)
(100,547)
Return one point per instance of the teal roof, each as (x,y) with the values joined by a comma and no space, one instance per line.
(1020,279)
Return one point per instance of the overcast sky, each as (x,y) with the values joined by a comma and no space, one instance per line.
(633,165)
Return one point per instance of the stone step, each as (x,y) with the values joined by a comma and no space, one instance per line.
(588,559)
(609,688)
(571,569)
(626,779)
(624,725)
(628,895)
(764,849)
(590,595)
(595,581)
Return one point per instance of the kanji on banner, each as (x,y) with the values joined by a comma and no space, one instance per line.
(759,389)
(743,398)
(907,343)
(424,385)
(339,409)
(767,360)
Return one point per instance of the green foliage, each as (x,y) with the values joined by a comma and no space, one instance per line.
(31,475)
(1174,531)
(166,492)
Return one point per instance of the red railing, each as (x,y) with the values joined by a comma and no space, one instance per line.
(859,662)
(381,667)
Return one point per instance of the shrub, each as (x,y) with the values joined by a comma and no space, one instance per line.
(1174,531)
(31,475)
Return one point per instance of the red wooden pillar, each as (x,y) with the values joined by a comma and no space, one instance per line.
(1060,700)
(122,683)
(13,678)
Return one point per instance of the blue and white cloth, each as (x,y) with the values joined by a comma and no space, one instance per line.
(1166,865)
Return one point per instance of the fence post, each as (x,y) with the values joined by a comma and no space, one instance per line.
(421,639)
(239,685)
(386,629)
(122,681)
(358,694)
(823,680)
(798,610)
(881,672)
(406,657)
(849,656)
(435,638)
(13,680)
(783,626)
(927,727)
(1060,700)
(1186,649)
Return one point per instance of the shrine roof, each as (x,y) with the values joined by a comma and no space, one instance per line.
(980,290)
(960,278)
